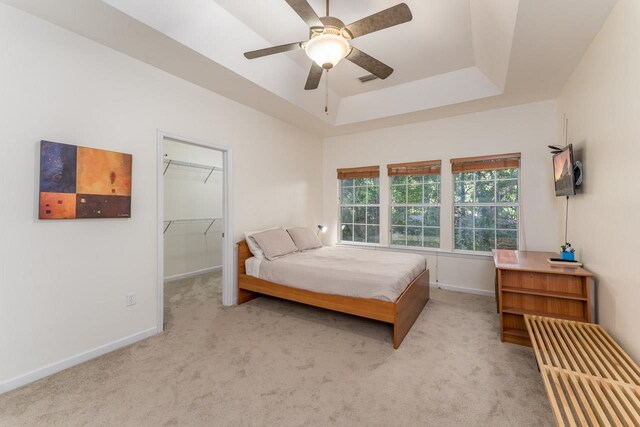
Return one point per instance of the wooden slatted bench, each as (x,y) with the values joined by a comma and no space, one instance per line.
(589,378)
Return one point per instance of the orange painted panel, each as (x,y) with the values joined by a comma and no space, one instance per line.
(103,172)
(57,206)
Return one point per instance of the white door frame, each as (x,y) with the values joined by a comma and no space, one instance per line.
(228,290)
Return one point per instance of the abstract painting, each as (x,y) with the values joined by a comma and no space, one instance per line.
(81,182)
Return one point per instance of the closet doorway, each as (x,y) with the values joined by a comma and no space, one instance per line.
(194,252)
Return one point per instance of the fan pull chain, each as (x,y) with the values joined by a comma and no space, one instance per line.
(326,95)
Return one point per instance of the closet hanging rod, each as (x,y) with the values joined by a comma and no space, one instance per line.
(211,169)
(211,221)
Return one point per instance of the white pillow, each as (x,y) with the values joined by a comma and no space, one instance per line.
(304,238)
(253,245)
(275,243)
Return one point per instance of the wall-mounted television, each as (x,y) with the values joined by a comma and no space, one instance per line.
(563,173)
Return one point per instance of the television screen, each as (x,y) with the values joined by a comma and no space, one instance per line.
(563,172)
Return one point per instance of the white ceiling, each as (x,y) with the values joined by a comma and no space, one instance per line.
(454,57)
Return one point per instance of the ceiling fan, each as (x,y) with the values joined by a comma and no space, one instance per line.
(329,40)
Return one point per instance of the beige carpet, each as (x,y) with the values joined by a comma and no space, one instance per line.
(276,363)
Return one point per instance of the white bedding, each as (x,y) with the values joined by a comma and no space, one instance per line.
(252,266)
(354,272)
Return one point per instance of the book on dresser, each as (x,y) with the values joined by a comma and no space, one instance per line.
(528,284)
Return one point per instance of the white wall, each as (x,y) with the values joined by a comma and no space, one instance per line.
(186,196)
(527,129)
(63,283)
(602,102)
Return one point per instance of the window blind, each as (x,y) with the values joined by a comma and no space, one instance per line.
(361,172)
(430,167)
(485,163)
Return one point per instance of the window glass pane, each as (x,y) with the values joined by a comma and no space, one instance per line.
(346,216)
(485,217)
(414,179)
(463,217)
(373,234)
(508,191)
(431,179)
(373,215)
(414,194)
(398,216)
(507,173)
(485,191)
(432,216)
(361,196)
(463,239)
(347,196)
(431,237)
(373,195)
(363,181)
(507,217)
(346,182)
(347,232)
(360,215)
(432,193)
(485,175)
(399,179)
(485,240)
(359,233)
(507,239)
(466,176)
(414,216)
(414,236)
(464,191)
(399,235)
(399,194)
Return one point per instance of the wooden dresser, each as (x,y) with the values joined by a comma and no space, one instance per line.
(528,284)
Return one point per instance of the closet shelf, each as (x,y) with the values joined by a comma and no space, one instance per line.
(211,169)
(211,221)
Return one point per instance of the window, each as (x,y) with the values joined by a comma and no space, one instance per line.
(415,204)
(486,202)
(360,204)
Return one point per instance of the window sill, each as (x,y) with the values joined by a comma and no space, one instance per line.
(360,244)
(433,251)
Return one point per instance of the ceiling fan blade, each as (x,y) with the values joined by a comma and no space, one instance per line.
(369,63)
(315,74)
(398,14)
(272,50)
(306,12)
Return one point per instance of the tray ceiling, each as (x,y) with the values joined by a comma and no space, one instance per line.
(454,57)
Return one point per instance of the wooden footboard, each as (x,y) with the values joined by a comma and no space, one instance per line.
(402,313)
(409,306)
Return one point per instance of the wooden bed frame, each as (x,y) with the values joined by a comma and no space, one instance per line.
(402,313)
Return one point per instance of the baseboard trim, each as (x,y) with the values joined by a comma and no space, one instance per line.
(192,273)
(463,289)
(53,368)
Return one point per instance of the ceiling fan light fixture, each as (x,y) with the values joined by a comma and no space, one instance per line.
(327,50)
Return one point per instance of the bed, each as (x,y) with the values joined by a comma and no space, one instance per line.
(394,293)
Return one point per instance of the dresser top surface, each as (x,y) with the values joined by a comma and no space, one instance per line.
(534,262)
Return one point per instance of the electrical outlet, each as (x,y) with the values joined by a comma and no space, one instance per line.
(131,299)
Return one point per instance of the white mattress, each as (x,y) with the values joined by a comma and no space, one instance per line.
(354,272)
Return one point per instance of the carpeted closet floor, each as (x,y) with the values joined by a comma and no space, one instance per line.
(277,363)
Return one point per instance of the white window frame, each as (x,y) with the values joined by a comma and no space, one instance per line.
(410,205)
(474,205)
(368,205)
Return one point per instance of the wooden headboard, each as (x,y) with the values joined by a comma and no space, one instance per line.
(243,254)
